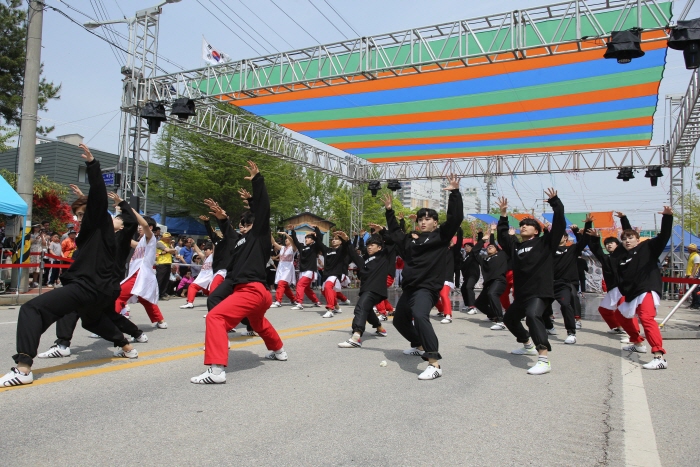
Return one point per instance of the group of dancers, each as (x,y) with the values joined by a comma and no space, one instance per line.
(538,266)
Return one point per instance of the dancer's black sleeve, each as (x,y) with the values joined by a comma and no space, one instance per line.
(261,207)
(658,243)
(402,225)
(504,239)
(582,239)
(296,241)
(128,217)
(455,215)
(319,240)
(625,223)
(558,223)
(357,259)
(97,203)
(594,246)
(398,235)
(210,232)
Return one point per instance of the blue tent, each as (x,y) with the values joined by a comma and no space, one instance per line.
(487,218)
(688,238)
(183,225)
(11,204)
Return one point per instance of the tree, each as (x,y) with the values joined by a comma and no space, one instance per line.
(5,135)
(13,24)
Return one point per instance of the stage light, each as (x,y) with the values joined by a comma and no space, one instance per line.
(624,45)
(686,37)
(154,113)
(374,186)
(653,173)
(183,108)
(393,184)
(625,174)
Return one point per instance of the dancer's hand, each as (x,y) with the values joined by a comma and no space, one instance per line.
(113,196)
(550,192)
(376,227)
(589,218)
(252,168)
(87,155)
(494,227)
(386,199)
(667,211)
(341,235)
(76,191)
(245,194)
(619,214)
(591,233)
(511,231)
(502,204)
(452,182)
(204,218)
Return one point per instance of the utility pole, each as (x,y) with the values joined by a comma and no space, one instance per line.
(30,109)
(489,179)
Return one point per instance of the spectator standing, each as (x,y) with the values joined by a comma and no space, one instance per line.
(55,250)
(164,262)
(68,245)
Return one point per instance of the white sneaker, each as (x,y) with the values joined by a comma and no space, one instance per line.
(498,327)
(95,336)
(143,338)
(247,333)
(15,378)
(350,344)
(187,305)
(625,340)
(382,317)
(55,352)
(208,377)
(337,310)
(552,332)
(658,363)
(379,333)
(162,325)
(413,351)
(374,308)
(578,324)
(298,306)
(430,373)
(130,354)
(570,339)
(472,311)
(525,351)
(540,368)
(639,348)
(329,314)
(616,331)
(275,305)
(447,320)
(317,304)
(280,355)
(346,302)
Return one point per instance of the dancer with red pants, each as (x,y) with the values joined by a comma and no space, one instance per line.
(141,284)
(334,261)
(250,299)
(384,307)
(285,275)
(308,266)
(205,278)
(444,303)
(640,284)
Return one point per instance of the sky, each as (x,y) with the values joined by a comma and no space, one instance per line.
(88,70)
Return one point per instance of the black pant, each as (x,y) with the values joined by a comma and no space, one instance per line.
(467,290)
(364,312)
(532,310)
(565,295)
(489,301)
(163,278)
(412,320)
(220,294)
(38,314)
(66,325)
(53,272)
(458,274)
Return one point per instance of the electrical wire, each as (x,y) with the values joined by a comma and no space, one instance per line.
(328,19)
(268,26)
(248,24)
(227,27)
(341,17)
(109,33)
(239,27)
(302,27)
(103,127)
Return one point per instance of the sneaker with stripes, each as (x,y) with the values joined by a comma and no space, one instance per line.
(55,352)
(350,344)
(430,373)
(209,377)
(16,378)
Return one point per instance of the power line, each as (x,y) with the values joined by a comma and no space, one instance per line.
(302,27)
(227,27)
(328,19)
(341,17)
(268,26)
(239,27)
(247,24)
(120,58)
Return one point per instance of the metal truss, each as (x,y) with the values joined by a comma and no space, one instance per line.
(244,131)
(686,132)
(356,207)
(555,29)
(523,164)
(676,258)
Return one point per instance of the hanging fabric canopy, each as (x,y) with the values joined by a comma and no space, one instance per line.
(11,204)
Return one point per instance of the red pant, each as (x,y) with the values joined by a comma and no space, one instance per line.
(152,310)
(341,297)
(283,288)
(611,319)
(329,293)
(444,304)
(646,312)
(192,292)
(303,287)
(247,301)
(385,306)
(215,282)
(505,296)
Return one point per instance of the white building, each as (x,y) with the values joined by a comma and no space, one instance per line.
(417,194)
(471,200)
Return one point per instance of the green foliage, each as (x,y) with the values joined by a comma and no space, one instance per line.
(42,184)
(13,15)
(5,135)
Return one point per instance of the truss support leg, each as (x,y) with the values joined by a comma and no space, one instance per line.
(676,260)
(356,206)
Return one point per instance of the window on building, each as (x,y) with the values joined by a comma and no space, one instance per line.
(82,174)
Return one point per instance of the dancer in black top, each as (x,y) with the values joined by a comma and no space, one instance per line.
(493,267)
(89,285)
(444,303)
(308,266)
(423,275)
(533,279)
(470,275)
(333,268)
(372,271)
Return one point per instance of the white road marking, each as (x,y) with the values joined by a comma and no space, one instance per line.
(9,322)
(640,440)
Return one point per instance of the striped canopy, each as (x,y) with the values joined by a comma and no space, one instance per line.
(577,100)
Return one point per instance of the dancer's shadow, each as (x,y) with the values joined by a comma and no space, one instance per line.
(518,361)
(408,363)
(613,349)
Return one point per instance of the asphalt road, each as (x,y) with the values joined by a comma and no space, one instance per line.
(338,407)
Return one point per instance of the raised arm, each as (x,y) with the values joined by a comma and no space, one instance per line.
(624,222)
(593,243)
(392,224)
(658,243)
(504,239)
(355,258)
(261,207)
(207,225)
(455,210)
(126,212)
(98,202)
(558,220)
